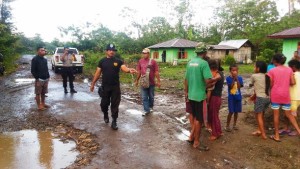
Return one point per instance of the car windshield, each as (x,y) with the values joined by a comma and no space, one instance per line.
(61,51)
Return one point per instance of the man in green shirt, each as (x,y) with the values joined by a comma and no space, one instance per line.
(197,78)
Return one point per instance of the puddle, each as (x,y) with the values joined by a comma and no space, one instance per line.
(33,149)
(183,135)
(134,111)
(131,128)
(80,96)
(20,81)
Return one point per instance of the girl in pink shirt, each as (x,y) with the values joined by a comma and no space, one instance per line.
(281,77)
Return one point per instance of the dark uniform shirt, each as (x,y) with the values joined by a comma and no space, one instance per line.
(110,68)
(39,68)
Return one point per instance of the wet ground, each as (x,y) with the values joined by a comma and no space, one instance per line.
(154,141)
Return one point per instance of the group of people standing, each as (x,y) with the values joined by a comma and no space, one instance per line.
(203,87)
(278,86)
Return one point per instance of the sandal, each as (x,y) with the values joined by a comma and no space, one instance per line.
(256,133)
(272,137)
(293,133)
(41,109)
(284,132)
(190,142)
(227,129)
(47,106)
(212,138)
(202,148)
(235,128)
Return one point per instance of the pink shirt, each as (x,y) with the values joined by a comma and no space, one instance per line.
(281,77)
(142,67)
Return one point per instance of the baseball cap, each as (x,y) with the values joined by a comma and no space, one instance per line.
(201,48)
(111,47)
(146,50)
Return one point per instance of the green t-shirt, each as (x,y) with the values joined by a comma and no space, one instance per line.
(197,71)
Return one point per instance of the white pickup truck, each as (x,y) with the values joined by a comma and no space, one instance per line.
(57,64)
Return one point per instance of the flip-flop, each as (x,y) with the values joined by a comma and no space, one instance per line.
(272,137)
(41,109)
(190,142)
(46,106)
(203,148)
(256,133)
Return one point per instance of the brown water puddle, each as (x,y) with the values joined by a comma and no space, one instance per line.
(35,149)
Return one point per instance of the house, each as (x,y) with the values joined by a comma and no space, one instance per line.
(291,41)
(175,50)
(240,49)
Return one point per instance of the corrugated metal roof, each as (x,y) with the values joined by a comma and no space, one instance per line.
(222,47)
(288,33)
(234,43)
(175,43)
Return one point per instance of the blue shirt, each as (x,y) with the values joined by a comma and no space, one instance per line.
(238,94)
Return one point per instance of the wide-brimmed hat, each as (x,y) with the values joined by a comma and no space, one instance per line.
(201,48)
(111,47)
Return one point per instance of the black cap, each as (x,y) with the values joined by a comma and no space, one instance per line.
(111,47)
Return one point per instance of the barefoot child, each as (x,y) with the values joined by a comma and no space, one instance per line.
(234,82)
(215,101)
(281,78)
(261,84)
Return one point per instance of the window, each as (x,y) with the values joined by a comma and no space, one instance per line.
(182,54)
(155,55)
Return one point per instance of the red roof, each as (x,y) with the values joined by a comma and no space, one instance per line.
(288,33)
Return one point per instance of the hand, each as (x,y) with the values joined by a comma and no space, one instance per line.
(186,96)
(158,84)
(136,83)
(131,70)
(92,88)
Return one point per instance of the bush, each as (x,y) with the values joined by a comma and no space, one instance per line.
(134,58)
(229,60)
(266,55)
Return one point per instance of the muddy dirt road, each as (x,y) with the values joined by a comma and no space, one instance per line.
(154,141)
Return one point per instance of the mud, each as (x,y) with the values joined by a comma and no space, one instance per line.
(154,141)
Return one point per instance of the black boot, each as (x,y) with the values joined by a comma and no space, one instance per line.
(106,119)
(66,91)
(73,91)
(114,124)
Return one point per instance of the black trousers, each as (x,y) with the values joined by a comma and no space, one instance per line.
(111,96)
(67,72)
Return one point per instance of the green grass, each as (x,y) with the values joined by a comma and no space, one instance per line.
(10,63)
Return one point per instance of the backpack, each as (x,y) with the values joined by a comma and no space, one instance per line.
(144,80)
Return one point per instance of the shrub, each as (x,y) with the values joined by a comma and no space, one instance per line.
(229,60)
(266,55)
(134,58)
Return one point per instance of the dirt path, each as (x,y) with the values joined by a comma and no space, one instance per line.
(154,141)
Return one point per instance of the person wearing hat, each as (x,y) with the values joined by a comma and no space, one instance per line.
(197,78)
(67,70)
(144,64)
(109,67)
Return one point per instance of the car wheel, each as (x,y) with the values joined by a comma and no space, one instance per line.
(80,70)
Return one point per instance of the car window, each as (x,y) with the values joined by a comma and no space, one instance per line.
(73,51)
(60,51)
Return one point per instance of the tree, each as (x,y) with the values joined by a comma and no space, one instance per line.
(253,20)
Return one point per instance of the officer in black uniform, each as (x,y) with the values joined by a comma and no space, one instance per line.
(110,67)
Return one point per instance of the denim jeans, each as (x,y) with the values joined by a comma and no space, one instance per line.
(148,97)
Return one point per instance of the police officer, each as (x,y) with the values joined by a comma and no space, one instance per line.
(110,67)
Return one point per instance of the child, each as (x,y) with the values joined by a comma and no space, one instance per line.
(234,82)
(215,101)
(261,89)
(295,97)
(281,77)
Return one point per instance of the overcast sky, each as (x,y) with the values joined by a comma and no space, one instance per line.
(45,16)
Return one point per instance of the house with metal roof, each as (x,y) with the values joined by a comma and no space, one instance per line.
(291,41)
(240,49)
(175,50)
